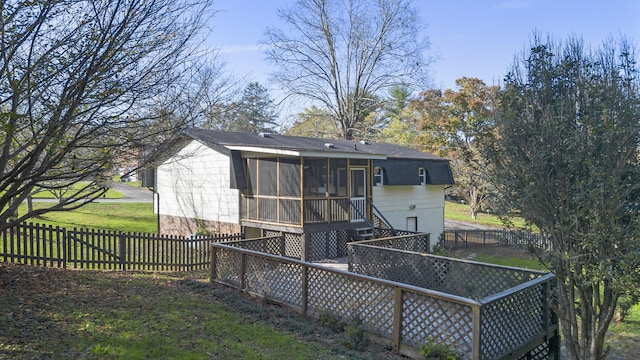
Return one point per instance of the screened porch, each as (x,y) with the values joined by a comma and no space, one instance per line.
(296,191)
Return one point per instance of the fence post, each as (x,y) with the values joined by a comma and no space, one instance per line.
(243,264)
(283,245)
(396,332)
(213,262)
(427,243)
(306,251)
(477,333)
(122,251)
(304,290)
(455,238)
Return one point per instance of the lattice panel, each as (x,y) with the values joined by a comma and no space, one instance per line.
(332,244)
(383,232)
(409,242)
(293,245)
(327,245)
(228,267)
(348,299)
(318,246)
(273,246)
(344,237)
(478,281)
(441,321)
(542,352)
(511,321)
(506,323)
(456,277)
(274,280)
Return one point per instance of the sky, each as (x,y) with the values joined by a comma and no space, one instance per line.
(468,38)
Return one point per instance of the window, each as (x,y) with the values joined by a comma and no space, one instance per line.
(378,176)
(422,173)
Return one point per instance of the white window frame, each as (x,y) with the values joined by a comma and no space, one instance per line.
(422,173)
(378,176)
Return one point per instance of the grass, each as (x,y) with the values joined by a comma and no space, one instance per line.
(460,212)
(144,326)
(45,194)
(127,217)
(520,262)
(65,314)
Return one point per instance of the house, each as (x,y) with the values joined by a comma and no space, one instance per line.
(260,184)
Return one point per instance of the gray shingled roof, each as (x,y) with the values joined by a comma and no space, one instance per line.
(301,144)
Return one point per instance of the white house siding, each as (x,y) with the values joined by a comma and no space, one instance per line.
(425,202)
(194,184)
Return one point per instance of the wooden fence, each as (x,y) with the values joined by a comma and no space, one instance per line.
(455,239)
(510,321)
(41,245)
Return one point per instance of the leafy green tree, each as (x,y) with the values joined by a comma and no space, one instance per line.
(313,122)
(340,54)
(254,112)
(398,126)
(74,78)
(564,156)
(451,123)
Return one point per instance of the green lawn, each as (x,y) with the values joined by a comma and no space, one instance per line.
(110,194)
(63,314)
(525,263)
(127,217)
(139,217)
(460,212)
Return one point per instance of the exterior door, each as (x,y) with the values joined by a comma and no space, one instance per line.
(358,194)
(412,224)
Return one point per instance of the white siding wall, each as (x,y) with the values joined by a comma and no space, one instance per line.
(426,202)
(195,184)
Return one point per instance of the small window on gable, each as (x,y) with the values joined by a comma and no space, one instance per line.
(422,173)
(378,176)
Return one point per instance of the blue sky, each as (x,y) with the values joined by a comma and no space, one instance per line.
(470,38)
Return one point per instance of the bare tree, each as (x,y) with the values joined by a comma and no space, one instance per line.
(75,78)
(341,53)
(192,100)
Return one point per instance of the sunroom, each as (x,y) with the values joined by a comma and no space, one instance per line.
(299,193)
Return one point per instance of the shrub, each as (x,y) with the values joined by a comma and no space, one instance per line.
(355,335)
(438,351)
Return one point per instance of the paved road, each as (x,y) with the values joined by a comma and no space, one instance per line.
(131,194)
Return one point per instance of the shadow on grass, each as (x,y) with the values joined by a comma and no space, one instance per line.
(59,314)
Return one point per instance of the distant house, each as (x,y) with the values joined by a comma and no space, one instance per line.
(264,183)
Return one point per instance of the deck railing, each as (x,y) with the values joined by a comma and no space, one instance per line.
(292,211)
(510,322)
